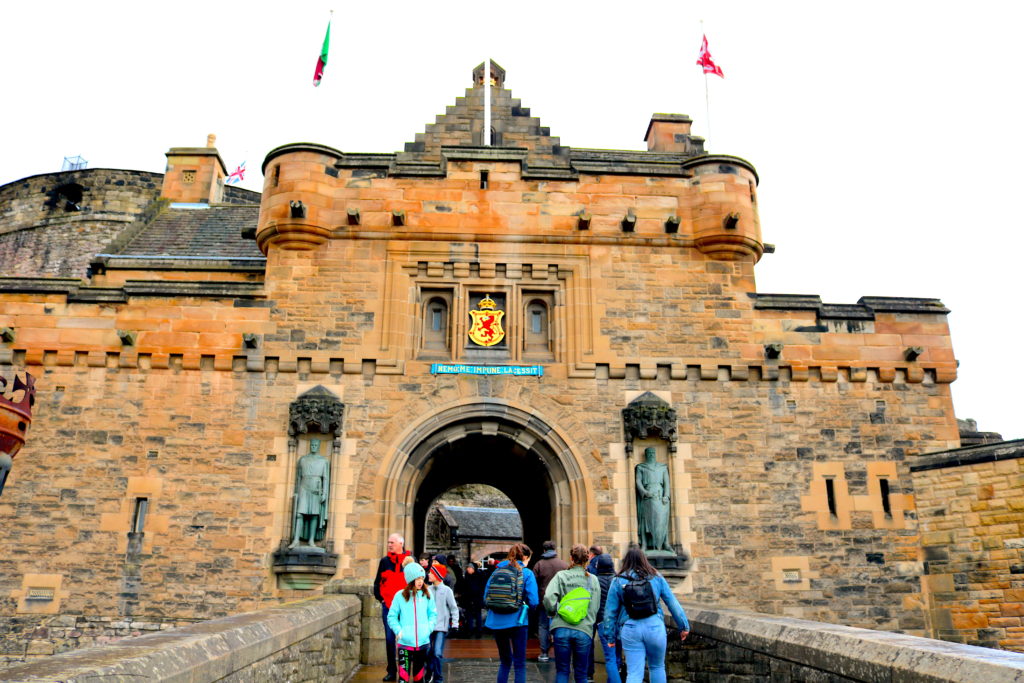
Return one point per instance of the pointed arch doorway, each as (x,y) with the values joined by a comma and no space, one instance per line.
(490,442)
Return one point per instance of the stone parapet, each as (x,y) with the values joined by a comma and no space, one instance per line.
(52,224)
(971,514)
(739,645)
(315,639)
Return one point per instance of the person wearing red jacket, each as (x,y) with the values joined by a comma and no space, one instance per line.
(388,582)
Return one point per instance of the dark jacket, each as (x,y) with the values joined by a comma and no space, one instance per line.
(605,573)
(472,586)
(546,568)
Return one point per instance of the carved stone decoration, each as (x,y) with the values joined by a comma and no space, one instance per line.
(318,408)
(648,416)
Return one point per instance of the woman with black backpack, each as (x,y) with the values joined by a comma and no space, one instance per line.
(633,614)
(510,593)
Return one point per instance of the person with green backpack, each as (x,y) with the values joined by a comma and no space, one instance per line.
(573,599)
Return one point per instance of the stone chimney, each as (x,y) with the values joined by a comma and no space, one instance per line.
(195,175)
(671,133)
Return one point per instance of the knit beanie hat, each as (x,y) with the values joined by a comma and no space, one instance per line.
(412,572)
(439,571)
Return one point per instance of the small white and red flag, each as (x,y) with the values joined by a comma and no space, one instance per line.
(704,60)
(238,175)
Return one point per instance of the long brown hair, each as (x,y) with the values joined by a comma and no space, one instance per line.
(411,588)
(578,555)
(635,563)
(518,552)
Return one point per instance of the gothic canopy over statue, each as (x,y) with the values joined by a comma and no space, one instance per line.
(648,416)
(318,410)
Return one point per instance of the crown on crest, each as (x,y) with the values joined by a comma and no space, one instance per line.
(487,302)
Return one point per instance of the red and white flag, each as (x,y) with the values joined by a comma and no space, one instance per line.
(704,60)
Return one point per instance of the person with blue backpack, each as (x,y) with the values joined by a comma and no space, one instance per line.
(633,614)
(510,593)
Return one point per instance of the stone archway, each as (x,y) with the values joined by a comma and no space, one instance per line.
(489,442)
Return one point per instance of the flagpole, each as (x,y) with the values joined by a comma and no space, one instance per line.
(487,102)
(707,104)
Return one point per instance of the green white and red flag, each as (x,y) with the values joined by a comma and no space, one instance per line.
(321,61)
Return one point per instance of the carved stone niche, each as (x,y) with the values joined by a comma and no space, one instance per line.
(648,417)
(307,566)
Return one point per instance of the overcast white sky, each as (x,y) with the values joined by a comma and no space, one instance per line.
(887,134)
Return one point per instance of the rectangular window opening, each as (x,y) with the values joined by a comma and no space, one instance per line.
(535,322)
(886,503)
(830,492)
(139,518)
(483,180)
(435,319)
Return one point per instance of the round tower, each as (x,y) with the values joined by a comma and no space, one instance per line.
(296,209)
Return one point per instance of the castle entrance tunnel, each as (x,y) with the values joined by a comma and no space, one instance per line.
(497,445)
(496,461)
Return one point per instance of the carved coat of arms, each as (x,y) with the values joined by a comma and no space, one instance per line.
(486,329)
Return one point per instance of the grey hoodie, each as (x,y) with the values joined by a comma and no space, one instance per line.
(447,608)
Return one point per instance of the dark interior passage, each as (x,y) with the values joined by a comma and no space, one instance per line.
(497,461)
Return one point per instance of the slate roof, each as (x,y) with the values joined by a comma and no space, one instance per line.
(211,232)
(489,523)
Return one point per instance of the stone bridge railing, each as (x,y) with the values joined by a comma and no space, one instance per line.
(325,638)
(316,639)
(733,645)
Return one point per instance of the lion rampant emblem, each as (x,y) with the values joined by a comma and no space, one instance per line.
(486,329)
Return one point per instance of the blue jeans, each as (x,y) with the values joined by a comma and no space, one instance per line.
(645,639)
(511,644)
(571,647)
(435,656)
(611,658)
(389,641)
(544,630)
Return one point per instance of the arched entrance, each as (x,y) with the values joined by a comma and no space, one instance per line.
(494,443)
(496,461)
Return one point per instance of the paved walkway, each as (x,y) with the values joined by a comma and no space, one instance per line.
(472,660)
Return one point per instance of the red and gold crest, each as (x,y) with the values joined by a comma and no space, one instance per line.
(486,329)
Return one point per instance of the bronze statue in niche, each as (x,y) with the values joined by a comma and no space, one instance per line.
(653,504)
(312,486)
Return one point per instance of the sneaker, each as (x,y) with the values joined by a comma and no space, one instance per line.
(388,678)
(543,658)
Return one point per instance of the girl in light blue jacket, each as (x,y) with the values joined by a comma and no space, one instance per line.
(413,611)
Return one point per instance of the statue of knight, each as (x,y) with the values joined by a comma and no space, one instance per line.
(312,487)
